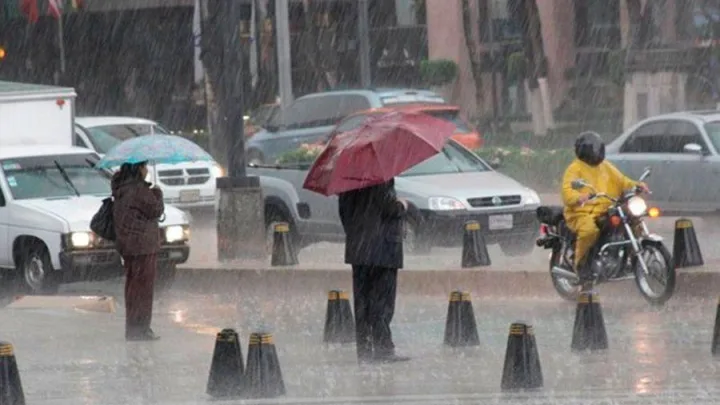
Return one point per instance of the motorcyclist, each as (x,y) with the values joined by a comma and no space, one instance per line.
(580,211)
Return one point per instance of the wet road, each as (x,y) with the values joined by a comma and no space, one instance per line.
(654,356)
(204,252)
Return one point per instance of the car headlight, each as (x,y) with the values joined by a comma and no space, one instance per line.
(531,198)
(637,206)
(177,233)
(81,239)
(444,204)
(217,171)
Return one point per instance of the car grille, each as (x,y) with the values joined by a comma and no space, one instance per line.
(488,201)
(182,177)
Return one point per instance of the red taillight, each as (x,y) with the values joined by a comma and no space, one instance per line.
(543,229)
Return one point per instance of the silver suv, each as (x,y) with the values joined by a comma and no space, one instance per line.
(313,116)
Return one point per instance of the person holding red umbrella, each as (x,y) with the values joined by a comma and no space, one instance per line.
(360,166)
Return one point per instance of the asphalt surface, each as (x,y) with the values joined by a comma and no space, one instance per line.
(655,356)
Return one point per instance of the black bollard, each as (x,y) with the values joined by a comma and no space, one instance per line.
(474,250)
(283,251)
(339,320)
(263,375)
(589,329)
(686,250)
(11,391)
(716,332)
(227,370)
(522,362)
(460,326)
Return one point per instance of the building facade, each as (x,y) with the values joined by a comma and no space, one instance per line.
(582,41)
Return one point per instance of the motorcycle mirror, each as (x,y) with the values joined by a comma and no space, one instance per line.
(578,184)
(645,174)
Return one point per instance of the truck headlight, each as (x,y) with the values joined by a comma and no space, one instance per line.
(217,171)
(81,239)
(531,198)
(444,204)
(177,233)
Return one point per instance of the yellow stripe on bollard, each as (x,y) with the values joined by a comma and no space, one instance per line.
(472,226)
(282,228)
(343,296)
(683,224)
(6,350)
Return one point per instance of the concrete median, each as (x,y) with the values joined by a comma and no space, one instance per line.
(486,283)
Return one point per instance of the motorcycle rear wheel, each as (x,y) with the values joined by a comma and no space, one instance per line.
(652,252)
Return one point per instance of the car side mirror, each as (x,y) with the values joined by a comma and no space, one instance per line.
(693,148)
(578,184)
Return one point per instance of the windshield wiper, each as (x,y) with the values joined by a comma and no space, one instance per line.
(66,177)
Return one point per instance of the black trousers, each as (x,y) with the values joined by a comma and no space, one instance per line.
(374,292)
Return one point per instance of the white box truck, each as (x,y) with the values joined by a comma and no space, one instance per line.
(36,114)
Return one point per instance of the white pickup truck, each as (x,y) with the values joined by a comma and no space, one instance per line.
(48,194)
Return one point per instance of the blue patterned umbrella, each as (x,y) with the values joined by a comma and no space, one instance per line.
(156,149)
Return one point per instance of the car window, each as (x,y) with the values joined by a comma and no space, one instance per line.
(452,159)
(351,123)
(292,117)
(105,137)
(323,110)
(78,141)
(713,131)
(453,116)
(39,177)
(646,139)
(681,133)
(352,104)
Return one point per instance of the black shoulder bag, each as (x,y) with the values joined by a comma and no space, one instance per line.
(102,223)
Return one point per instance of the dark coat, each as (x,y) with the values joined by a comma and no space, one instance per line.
(136,211)
(373,221)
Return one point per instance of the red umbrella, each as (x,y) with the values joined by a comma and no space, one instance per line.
(385,146)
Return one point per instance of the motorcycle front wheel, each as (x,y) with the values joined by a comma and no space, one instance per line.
(659,284)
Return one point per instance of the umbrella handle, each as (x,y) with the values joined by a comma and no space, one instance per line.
(162,218)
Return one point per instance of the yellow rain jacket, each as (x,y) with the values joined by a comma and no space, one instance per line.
(605,178)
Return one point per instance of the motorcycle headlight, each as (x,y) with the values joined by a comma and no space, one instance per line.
(444,204)
(177,233)
(637,206)
(80,239)
(217,171)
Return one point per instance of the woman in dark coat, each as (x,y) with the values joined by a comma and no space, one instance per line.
(136,211)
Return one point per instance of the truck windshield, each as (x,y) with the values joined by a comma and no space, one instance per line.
(40,177)
(452,159)
(105,137)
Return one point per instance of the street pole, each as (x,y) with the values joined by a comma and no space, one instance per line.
(240,213)
(282,27)
(364,39)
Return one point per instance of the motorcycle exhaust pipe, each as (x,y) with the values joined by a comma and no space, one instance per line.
(558,271)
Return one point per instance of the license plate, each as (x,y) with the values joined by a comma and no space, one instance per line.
(496,222)
(189,196)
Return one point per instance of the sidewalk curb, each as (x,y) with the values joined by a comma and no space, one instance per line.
(691,283)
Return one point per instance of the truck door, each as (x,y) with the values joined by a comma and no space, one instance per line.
(5,259)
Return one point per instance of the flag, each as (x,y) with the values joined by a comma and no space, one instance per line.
(30,9)
(55,8)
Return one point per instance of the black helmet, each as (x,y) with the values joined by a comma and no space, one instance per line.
(590,148)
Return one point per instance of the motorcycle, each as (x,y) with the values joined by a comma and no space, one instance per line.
(625,249)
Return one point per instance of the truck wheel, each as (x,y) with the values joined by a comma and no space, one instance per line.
(35,272)
(165,277)
(413,242)
(521,247)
